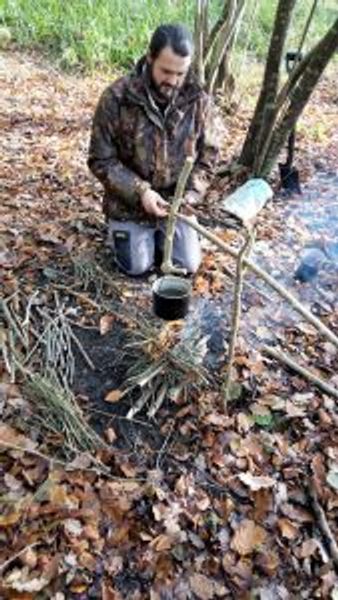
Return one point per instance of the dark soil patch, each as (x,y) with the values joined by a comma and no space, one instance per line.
(112,359)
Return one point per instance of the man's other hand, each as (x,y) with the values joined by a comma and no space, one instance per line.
(191,198)
(154,204)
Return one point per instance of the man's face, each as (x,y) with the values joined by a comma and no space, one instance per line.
(169,71)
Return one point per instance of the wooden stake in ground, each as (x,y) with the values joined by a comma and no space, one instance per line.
(280,289)
(236,314)
(167,265)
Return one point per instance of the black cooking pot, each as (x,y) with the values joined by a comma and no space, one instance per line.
(171,297)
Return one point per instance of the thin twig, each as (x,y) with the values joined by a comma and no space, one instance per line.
(82,325)
(323,524)
(99,467)
(164,445)
(145,377)
(141,402)
(11,322)
(14,362)
(287,360)
(78,295)
(82,350)
(160,397)
(7,361)
(33,452)
(12,558)
(114,417)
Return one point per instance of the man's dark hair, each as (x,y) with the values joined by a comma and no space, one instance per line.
(177,37)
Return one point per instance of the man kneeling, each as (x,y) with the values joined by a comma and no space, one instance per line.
(144,127)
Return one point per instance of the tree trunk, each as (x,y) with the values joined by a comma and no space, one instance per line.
(317,61)
(199,39)
(222,43)
(225,80)
(261,121)
(220,21)
(212,50)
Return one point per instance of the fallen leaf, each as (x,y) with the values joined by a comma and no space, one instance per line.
(217,419)
(332,477)
(78,588)
(248,537)
(268,562)
(29,558)
(10,519)
(9,436)
(307,549)
(106,323)
(114,396)
(108,593)
(73,527)
(110,435)
(162,542)
(256,483)
(202,586)
(11,482)
(287,529)
(297,513)
(83,460)
(128,469)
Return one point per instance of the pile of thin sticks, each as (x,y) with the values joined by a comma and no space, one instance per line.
(38,344)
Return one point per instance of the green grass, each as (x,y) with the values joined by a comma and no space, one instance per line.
(105,33)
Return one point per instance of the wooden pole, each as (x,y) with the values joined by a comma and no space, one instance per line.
(167,265)
(236,315)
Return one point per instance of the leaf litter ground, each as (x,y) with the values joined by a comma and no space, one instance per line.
(198,504)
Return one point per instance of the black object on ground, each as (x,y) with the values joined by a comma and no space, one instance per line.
(289,174)
(171,297)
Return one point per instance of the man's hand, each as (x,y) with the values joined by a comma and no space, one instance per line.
(191,198)
(154,204)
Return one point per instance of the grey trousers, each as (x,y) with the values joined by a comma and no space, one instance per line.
(133,246)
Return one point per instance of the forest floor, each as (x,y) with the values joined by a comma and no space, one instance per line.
(194,503)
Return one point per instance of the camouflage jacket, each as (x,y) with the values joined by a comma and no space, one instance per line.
(134,145)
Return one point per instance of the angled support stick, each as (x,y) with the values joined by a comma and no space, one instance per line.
(284,358)
(167,265)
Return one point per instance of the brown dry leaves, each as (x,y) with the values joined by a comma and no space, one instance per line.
(248,537)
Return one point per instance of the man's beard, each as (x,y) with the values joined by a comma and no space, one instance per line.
(164,93)
(168,92)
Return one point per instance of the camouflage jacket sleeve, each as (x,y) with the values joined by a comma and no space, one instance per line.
(207,150)
(103,158)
